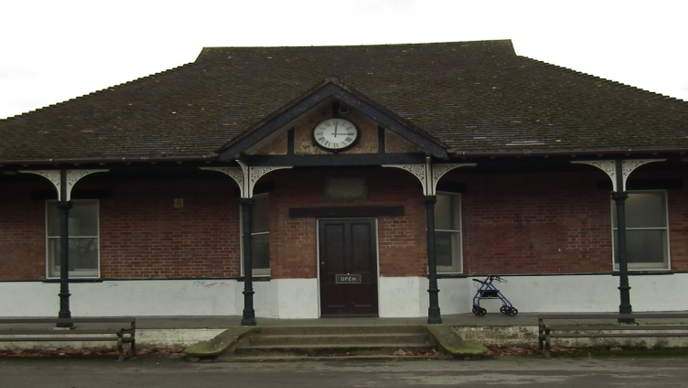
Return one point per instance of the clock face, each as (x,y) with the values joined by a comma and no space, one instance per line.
(335,134)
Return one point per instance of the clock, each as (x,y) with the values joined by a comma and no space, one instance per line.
(335,134)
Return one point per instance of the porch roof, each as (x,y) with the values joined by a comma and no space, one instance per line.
(473,98)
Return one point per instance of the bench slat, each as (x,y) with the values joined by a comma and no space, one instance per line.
(113,332)
(44,339)
(59,332)
(66,320)
(611,335)
(597,330)
(615,327)
(613,316)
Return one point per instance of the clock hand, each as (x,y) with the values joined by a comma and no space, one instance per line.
(335,129)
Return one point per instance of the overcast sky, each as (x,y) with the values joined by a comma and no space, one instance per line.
(52,51)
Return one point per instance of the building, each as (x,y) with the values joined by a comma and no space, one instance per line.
(369,178)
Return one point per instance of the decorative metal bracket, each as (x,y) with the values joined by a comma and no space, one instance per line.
(246,176)
(55,177)
(618,172)
(428,174)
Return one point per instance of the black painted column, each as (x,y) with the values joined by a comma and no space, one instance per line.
(249,316)
(624,286)
(64,294)
(434,317)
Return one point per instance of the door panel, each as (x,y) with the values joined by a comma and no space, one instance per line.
(348,247)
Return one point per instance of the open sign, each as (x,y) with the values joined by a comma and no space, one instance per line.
(348,279)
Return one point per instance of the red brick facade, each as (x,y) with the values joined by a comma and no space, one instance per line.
(515,224)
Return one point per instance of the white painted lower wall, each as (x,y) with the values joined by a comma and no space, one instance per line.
(298,298)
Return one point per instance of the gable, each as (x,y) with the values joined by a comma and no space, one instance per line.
(300,134)
(327,100)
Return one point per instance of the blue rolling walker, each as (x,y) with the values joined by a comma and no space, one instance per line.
(487,290)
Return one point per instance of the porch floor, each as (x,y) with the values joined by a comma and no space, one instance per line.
(196,322)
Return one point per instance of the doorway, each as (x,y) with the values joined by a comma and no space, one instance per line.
(348,267)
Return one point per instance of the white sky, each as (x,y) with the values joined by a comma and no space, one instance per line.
(52,51)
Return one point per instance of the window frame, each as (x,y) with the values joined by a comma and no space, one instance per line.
(54,273)
(457,256)
(256,271)
(665,264)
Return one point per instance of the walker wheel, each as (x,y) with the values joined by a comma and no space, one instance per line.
(513,311)
(504,310)
(481,311)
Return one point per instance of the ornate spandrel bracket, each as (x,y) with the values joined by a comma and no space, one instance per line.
(428,174)
(628,166)
(54,176)
(233,172)
(607,166)
(246,176)
(418,170)
(439,170)
(73,176)
(618,172)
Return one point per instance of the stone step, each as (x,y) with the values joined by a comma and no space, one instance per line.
(336,339)
(331,350)
(395,356)
(330,342)
(345,329)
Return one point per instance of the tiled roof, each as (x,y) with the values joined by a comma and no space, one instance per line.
(475,97)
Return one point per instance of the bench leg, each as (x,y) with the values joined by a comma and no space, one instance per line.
(541,339)
(121,349)
(547,344)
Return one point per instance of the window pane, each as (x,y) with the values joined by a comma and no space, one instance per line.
(83,257)
(444,212)
(83,219)
(645,210)
(643,246)
(261,219)
(448,250)
(53,219)
(260,245)
(443,247)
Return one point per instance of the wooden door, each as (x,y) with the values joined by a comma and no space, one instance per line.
(348,268)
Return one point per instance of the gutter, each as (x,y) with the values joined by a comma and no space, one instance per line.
(122,160)
(457,153)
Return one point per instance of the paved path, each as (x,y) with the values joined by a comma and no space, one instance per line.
(154,372)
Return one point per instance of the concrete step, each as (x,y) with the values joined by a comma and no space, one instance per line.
(371,329)
(400,356)
(315,350)
(330,342)
(338,339)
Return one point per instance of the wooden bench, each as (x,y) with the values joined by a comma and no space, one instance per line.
(119,329)
(607,326)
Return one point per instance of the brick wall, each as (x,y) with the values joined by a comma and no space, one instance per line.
(536,223)
(22,231)
(293,241)
(144,235)
(514,224)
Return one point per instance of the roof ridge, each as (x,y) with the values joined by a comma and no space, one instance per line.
(504,44)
